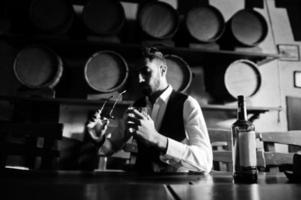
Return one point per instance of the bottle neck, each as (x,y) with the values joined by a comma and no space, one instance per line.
(242,110)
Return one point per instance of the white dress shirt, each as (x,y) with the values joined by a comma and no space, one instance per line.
(194,153)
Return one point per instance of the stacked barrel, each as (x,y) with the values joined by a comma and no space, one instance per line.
(153,21)
(160,23)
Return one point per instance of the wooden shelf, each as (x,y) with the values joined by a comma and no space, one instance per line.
(68,101)
(251,109)
(80,2)
(194,56)
(255,111)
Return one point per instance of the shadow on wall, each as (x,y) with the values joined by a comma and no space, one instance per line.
(219,119)
(197,89)
(293,10)
(8,82)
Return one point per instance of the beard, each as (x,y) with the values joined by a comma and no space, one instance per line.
(146,90)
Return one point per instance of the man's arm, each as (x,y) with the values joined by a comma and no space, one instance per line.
(194,152)
(108,141)
(143,127)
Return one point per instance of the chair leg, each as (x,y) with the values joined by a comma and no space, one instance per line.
(49,161)
(88,157)
(2,151)
(2,158)
(30,158)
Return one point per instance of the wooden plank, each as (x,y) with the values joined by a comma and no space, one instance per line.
(288,137)
(263,160)
(222,156)
(221,135)
(251,109)
(277,158)
(69,101)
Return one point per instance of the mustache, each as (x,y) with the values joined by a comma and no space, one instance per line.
(143,84)
(144,88)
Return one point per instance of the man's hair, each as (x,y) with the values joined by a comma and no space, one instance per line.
(150,53)
(153,53)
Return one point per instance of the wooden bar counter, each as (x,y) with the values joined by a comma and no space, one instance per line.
(125,185)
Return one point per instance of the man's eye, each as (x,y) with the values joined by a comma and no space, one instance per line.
(145,71)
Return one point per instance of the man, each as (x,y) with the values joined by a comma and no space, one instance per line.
(171,135)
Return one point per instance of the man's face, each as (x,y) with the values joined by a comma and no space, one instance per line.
(150,76)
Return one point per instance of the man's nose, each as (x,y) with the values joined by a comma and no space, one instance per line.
(141,79)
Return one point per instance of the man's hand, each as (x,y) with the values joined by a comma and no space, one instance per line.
(142,125)
(97,127)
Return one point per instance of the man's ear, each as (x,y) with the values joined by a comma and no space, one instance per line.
(163,69)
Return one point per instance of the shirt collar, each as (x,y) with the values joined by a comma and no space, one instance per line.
(165,95)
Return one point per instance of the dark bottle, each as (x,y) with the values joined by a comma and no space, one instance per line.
(244,147)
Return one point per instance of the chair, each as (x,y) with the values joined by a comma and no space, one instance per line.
(267,158)
(30,140)
(221,141)
(274,159)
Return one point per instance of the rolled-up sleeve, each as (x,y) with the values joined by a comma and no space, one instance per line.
(194,153)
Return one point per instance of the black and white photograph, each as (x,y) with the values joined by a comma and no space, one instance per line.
(150,99)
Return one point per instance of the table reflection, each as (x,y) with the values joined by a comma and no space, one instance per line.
(78,185)
(125,191)
(269,186)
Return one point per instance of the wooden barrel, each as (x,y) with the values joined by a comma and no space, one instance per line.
(242,78)
(158,20)
(226,81)
(205,23)
(179,74)
(104,17)
(106,71)
(51,16)
(248,27)
(38,67)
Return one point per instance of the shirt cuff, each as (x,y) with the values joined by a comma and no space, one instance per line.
(175,149)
